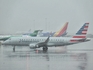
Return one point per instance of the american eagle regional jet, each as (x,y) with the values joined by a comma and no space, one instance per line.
(45,42)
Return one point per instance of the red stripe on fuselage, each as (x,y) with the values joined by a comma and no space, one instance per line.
(79,36)
(73,40)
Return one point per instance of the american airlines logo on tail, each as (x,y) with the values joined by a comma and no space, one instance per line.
(82,31)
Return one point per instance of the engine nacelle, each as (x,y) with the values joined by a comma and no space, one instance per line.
(33,46)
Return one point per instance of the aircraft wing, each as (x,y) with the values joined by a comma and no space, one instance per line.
(44,43)
(39,44)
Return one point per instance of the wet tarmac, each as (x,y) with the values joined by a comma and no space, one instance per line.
(73,57)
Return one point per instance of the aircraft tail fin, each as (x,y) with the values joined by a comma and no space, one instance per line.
(81,33)
(34,33)
(62,31)
(39,33)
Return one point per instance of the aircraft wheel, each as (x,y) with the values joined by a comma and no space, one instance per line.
(14,49)
(45,48)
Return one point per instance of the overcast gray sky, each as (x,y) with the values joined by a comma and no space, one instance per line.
(49,15)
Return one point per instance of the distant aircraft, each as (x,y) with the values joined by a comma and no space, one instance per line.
(34,34)
(61,32)
(45,42)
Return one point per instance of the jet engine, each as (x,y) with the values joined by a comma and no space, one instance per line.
(32,46)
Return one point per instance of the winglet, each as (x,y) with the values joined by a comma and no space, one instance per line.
(46,41)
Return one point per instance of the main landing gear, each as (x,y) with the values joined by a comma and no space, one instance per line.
(14,49)
(45,49)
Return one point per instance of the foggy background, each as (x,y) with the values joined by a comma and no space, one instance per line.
(49,15)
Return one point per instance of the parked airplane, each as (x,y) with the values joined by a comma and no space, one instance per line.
(61,32)
(45,42)
(35,33)
(5,37)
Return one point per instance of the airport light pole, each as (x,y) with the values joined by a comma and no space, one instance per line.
(46,24)
(33,24)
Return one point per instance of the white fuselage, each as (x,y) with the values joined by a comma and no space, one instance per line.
(53,41)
